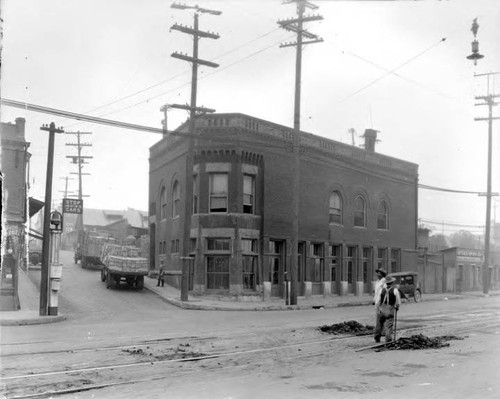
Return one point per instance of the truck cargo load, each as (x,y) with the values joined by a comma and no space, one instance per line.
(123,263)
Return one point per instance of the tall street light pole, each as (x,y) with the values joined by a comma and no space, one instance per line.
(488,100)
(44,281)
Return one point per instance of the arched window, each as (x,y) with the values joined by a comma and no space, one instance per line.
(176,199)
(163,203)
(335,208)
(382,216)
(360,211)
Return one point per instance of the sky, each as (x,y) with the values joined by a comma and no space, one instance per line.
(382,65)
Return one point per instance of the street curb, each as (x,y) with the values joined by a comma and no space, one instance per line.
(31,321)
(199,306)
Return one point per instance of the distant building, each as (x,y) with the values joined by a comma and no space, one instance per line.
(14,167)
(118,224)
(358,209)
(463,269)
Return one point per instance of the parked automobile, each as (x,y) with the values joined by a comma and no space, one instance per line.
(408,285)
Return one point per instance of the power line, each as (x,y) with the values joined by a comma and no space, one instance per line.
(181,74)
(447,190)
(393,70)
(450,224)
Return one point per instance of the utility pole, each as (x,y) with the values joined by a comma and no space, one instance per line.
(193,110)
(44,280)
(296,25)
(67,178)
(165,109)
(490,101)
(80,161)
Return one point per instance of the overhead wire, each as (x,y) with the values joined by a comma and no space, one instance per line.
(392,70)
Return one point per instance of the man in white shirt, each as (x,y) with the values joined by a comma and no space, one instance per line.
(379,286)
(390,300)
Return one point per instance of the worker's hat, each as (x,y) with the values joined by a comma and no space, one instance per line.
(381,271)
(389,280)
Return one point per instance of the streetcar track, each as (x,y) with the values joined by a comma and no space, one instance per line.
(152,342)
(294,356)
(89,374)
(233,353)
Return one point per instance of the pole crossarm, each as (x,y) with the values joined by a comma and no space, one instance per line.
(285,23)
(202,110)
(293,44)
(79,156)
(487,98)
(191,31)
(194,60)
(179,6)
(495,194)
(487,119)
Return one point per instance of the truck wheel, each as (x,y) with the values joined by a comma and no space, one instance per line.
(103,275)
(109,280)
(139,283)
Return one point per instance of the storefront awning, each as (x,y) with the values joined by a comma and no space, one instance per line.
(35,206)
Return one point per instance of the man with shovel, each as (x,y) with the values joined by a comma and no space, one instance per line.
(390,300)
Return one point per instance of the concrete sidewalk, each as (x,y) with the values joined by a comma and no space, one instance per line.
(214,302)
(29,298)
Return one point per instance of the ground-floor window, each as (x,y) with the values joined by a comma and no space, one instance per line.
(274,263)
(218,272)
(394,260)
(249,272)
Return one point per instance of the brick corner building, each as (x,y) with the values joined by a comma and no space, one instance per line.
(358,209)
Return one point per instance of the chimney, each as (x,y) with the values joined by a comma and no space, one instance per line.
(20,125)
(370,139)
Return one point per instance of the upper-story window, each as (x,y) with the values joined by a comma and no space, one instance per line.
(163,203)
(195,194)
(360,211)
(176,199)
(218,192)
(335,208)
(382,216)
(248,194)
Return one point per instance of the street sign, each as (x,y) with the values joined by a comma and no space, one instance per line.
(71,205)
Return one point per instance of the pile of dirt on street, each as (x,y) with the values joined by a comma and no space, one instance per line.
(419,341)
(347,327)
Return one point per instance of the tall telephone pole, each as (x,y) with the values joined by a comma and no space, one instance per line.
(303,37)
(66,192)
(193,110)
(44,274)
(490,101)
(79,159)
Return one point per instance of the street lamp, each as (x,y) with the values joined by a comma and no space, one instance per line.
(475,44)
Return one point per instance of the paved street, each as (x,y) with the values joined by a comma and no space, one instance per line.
(123,343)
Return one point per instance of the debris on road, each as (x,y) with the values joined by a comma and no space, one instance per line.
(347,327)
(419,341)
(180,352)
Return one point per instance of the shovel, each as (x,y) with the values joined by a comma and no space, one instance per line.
(395,323)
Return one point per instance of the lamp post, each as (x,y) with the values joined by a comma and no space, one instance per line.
(488,100)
